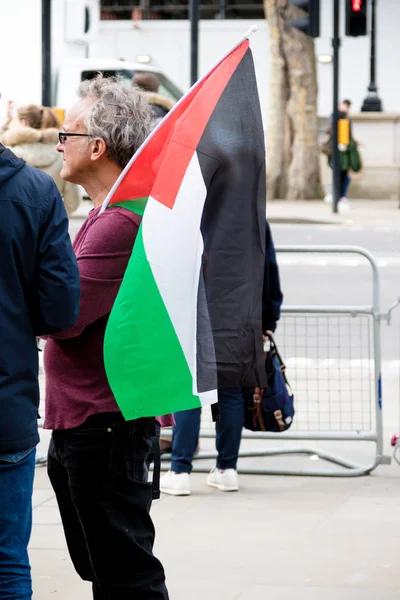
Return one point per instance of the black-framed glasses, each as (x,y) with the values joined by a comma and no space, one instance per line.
(62,136)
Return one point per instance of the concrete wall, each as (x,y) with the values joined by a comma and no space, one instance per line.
(20,51)
(379,139)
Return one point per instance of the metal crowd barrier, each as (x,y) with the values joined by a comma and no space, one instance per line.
(333,359)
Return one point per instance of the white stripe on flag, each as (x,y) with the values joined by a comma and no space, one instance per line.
(174,248)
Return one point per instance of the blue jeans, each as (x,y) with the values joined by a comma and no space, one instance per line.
(345,182)
(228,432)
(16,484)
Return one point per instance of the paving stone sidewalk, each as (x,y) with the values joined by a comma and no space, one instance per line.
(279,538)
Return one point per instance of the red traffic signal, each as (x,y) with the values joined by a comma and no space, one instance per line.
(356,17)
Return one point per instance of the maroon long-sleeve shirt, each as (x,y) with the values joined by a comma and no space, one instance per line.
(76,382)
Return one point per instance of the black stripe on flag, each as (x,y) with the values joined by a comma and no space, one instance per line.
(231,154)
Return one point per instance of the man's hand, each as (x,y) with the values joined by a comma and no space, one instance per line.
(265,337)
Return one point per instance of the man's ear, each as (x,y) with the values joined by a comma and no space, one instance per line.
(98,149)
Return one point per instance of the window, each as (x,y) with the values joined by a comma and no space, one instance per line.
(167,88)
(179,9)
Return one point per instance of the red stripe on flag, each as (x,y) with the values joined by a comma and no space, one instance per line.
(154,172)
(188,130)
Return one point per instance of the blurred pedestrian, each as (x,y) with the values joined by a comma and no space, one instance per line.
(230,404)
(150,85)
(345,180)
(39,294)
(98,462)
(32,134)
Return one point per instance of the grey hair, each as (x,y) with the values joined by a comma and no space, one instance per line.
(121,116)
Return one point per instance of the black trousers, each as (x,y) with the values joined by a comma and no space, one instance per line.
(99,473)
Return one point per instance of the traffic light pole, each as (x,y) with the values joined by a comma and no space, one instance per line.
(372,102)
(194,40)
(335,113)
(46,52)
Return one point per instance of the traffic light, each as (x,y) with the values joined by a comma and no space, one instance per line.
(356,17)
(310,24)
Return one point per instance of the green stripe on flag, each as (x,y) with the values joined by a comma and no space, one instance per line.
(141,348)
(136,205)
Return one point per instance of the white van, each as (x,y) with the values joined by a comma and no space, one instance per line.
(73,71)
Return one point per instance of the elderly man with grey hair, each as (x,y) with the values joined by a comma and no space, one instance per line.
(98,462)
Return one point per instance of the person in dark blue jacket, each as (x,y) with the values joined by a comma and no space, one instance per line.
(272,295)
(39,294)
(230,404)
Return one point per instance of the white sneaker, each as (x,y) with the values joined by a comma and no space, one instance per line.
(226,481)
(175,484)
(343,204)
(328,199)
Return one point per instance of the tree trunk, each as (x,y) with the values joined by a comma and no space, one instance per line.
(278,96)
(293,170)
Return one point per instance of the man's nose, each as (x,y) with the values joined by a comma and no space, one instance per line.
(60,147)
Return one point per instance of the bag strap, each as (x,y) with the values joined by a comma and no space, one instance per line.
(274,348)
(156,452)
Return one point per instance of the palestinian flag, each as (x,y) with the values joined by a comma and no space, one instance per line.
(187,318)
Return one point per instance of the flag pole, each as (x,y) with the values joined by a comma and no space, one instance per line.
(250,30)
(246,36)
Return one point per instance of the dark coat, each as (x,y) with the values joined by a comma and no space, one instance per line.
(272,295)
(160,105)
(39,290)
